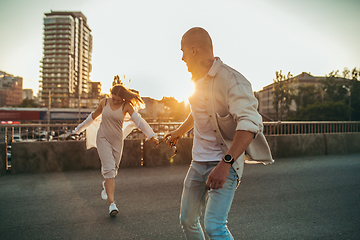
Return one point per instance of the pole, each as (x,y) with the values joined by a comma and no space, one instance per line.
(350,102)
(49,106)
(48,128)
(79,107)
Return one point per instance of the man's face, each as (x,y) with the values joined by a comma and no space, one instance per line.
(188,56)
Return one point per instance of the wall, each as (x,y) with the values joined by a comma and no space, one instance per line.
(283,146)
(39,157)
(2,158)
(161,155)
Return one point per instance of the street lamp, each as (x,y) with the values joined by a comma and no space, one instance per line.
(349,90)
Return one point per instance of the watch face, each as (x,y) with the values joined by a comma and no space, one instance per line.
(227,157)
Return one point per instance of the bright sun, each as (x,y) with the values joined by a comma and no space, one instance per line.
(190,91)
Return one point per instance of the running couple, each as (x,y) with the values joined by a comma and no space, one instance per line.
(226,124)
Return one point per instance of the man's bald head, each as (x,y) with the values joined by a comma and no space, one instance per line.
(199,38)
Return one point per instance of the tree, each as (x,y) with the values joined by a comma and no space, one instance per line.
(29,103)
(326,111)
(117,80)
(306,95)
(333,87)
(354,87)
(332,101)
(174,110)
(282,95)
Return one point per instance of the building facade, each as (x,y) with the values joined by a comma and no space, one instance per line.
(10,89)
(66,64)
(28,93)
(266,98)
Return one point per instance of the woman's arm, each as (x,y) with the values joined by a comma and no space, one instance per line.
(99,108)
(140,123)
(89,120)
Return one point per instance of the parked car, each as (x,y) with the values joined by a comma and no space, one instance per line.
(16,138)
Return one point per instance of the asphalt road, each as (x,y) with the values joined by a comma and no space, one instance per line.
(296,198)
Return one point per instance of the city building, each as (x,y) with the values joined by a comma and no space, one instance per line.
(153,107)
(10,89)
(28,93)
(66,64)
(266,98)
(94,90)
(87,100)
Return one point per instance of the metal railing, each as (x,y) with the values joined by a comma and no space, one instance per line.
(64,132)
(36,132)
(286,128)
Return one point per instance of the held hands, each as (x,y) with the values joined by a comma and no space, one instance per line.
(172,138)
(218,176)
(155,140)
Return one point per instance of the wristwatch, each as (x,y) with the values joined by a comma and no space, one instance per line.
(228,159)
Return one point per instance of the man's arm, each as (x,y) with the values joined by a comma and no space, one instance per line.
(220,173)
(175,135)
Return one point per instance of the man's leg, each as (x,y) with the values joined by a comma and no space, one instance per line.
(192,202)
(217,208)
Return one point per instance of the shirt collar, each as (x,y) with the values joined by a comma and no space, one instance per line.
(215,67)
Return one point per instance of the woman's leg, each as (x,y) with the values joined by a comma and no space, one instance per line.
(108,167)
(110,189)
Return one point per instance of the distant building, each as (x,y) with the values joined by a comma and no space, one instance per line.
(89,100)
(152,109)
(94,89)
(266,98)
(10,89)
(66,64)
(28,93)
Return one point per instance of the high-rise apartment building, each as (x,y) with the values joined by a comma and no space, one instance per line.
(66,64)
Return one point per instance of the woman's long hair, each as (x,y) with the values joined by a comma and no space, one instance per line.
(130,96)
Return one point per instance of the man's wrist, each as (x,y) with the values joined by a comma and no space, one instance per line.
(228,158)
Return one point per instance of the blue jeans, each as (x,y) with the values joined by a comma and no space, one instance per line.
(217,203)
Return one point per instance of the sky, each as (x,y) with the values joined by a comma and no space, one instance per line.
(141,39)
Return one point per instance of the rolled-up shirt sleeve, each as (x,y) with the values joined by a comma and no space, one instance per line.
(243,106)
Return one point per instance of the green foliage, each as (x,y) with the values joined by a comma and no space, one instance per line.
(326,111)
(29,103)
(174,110)
(306,95)
(355,99)
(333,87)
(337,100)
(282,95)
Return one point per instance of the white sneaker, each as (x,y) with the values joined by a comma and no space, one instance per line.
(103,192)
(113,210)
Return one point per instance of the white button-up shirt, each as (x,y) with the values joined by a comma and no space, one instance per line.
(231,105)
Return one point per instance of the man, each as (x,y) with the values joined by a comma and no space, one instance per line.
(225,121)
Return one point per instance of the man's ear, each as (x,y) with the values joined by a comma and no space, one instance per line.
(194,50)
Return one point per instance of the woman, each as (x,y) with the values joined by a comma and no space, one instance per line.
(109,139)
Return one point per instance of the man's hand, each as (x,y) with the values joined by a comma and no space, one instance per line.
(155,140)
(218,176)
(172,138)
